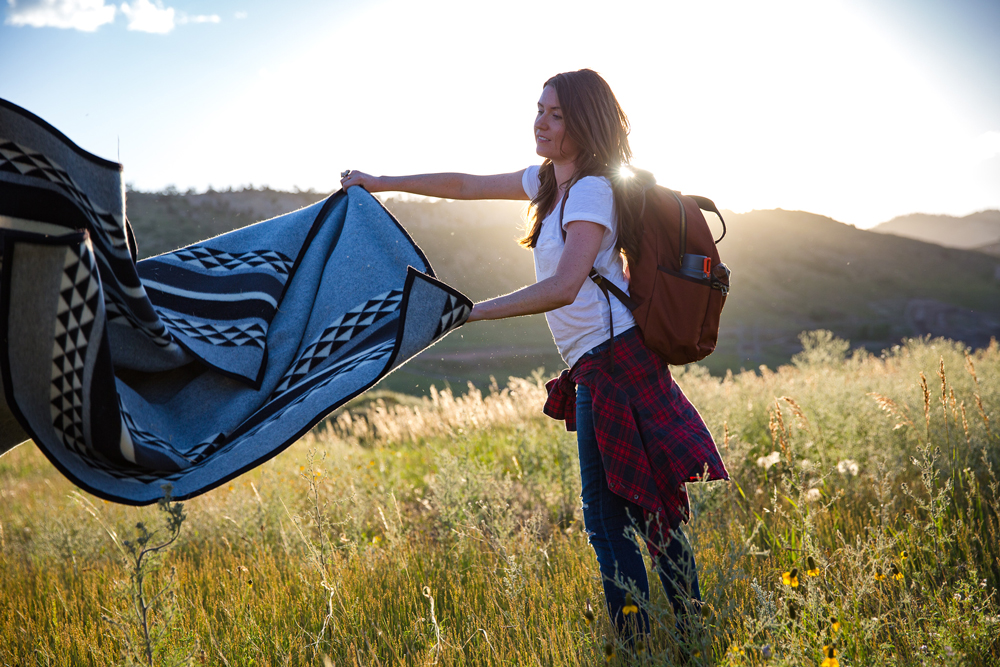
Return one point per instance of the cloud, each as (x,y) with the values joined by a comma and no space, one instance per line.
(241,15)
(144,16)
(198,18)
(85,15)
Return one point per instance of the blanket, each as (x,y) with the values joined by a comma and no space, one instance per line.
(182,371)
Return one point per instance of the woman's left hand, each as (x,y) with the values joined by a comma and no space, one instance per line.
(351,177)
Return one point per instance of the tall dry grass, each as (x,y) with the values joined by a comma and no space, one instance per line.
(860,528)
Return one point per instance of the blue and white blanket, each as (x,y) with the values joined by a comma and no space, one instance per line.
(189,368)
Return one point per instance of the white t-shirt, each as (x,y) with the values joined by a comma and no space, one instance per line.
(582,325)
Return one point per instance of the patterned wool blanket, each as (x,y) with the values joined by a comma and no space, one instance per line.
(189,368)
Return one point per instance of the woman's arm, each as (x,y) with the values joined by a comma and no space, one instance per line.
(448,186)
(583,241)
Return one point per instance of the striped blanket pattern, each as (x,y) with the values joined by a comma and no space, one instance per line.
(185,370)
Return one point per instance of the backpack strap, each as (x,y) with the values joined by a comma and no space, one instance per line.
(606,286)
(706,204)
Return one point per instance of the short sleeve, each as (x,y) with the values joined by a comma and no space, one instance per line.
(530,181)
(591,199)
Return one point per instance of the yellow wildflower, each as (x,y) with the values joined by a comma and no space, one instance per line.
(830,657)
(609,651)
(588,613)
(879,576)
(813,571)
(834,624)
(630,607)
(896,574)
(791,578)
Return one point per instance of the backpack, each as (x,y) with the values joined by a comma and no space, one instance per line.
(679,285)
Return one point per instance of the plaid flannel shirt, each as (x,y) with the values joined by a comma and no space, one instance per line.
(652,440)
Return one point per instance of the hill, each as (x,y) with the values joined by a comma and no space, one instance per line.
(990,249)
(969,232)
(792,271)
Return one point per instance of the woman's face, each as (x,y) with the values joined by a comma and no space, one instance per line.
(551,140)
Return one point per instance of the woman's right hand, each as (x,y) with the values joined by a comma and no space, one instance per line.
(352,177)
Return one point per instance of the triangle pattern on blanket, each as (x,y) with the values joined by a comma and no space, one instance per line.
(107,227)
(27,162)
(78,301)
(342,330)
(455,312)
(210,258)
(233,335)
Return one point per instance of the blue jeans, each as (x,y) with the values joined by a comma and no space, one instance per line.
(611,521)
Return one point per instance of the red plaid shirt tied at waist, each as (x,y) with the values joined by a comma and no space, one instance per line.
(652,440)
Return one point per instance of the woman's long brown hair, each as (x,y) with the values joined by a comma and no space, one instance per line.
(596,124)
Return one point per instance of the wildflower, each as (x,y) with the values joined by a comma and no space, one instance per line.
(793,610)
(829,657)
(630,607)
(813,495)
(376,540)
(766,462)
(896,574)
(791,578)
(609,651)
(766,652)
(588,613)
(736,651)
(902,556)
(879,576)
(848,467)
(813,571)
(834,624)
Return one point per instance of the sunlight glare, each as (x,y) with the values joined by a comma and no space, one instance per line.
(773,110)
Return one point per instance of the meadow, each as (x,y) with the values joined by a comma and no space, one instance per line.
(860,527)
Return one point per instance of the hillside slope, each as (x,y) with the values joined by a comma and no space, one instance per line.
(792,271)
(968,232)
(795,271)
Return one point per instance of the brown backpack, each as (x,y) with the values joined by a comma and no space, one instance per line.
(679,285)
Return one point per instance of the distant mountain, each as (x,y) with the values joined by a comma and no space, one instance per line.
(970,232)
(792,271)
(990,249)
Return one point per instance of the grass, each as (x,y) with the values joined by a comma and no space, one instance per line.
(446,530)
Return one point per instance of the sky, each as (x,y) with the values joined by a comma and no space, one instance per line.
(861,110)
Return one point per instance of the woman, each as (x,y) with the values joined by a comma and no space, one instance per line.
(640,440)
